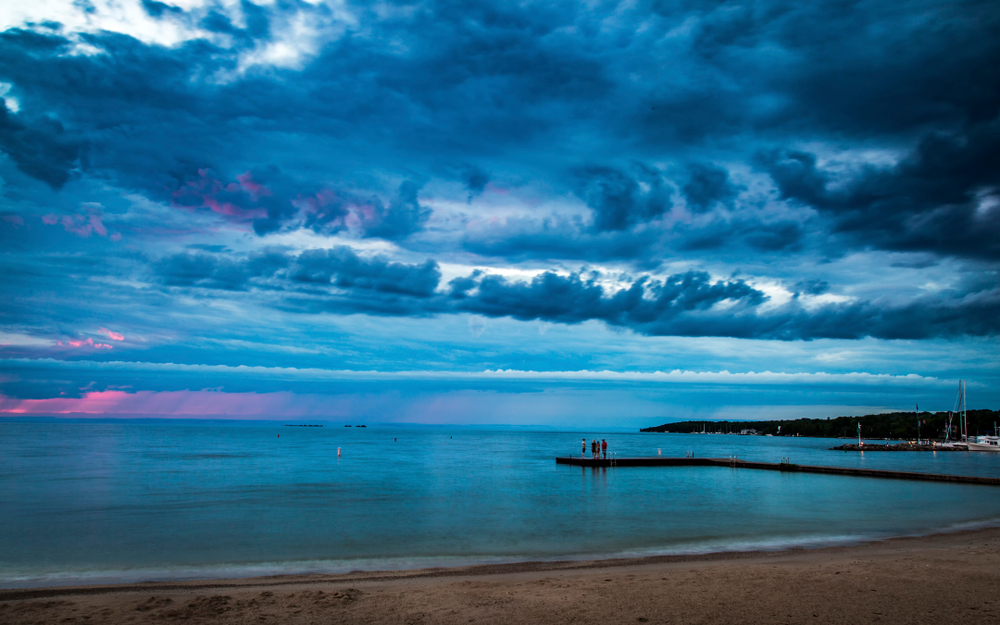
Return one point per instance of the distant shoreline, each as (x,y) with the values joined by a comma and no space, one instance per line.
(883,426)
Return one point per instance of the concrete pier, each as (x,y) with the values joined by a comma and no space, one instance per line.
(657,461)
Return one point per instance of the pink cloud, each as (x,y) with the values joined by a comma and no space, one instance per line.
(92,402)
(88,342)
(339,209)
(112,335)
(177,403)
(226,208)
(205,191)
(452,408)
(255,189)
(81,225)
(17,220)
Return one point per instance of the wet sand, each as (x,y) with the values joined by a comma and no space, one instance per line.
(945,578)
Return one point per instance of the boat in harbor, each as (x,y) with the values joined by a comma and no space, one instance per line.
(960,411)
(984,443)
(972,443)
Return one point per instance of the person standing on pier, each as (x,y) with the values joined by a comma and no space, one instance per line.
(583,448)
(604,448)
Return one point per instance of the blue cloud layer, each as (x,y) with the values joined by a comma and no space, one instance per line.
(765,171)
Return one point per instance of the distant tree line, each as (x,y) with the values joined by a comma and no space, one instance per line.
(901,425)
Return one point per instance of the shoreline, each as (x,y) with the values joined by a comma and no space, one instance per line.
(479,570)
(474,568)
(936,579)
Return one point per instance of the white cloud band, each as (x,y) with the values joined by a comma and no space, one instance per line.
(676,376)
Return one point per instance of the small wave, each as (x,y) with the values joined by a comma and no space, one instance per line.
(238,570)
(13,579)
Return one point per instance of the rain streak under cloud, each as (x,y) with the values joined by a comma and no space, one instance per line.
(339,210)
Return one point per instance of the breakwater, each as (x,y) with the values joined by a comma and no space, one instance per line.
(735,463)
(899,447)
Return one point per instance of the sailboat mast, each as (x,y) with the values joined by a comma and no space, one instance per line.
(965,414)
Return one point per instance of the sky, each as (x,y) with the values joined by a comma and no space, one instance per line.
(560,213)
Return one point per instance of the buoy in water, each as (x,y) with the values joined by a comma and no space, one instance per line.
(338,452)
(658,452)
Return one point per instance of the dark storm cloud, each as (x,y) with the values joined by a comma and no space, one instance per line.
(879,69)
(612,107)
(134,107)
(678,304)
(474,177)
(872,69)
(40,147)
(617,197)
(201,270)
(329,211)
(520,239)
(645,248)
(940,198)
(404,216)
(148,125)
(511,84)
(706,185)
(148,112)
(344,269)
(686,304)
(380,286)
(218,271)
(775,237)
(645,305)
(339,267)
(626,204)
(974,314)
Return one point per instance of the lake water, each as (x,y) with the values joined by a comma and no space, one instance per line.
(89,502)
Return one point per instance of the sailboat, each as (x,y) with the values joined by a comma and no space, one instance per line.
(974,443)
(985,443)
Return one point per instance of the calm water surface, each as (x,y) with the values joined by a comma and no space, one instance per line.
(94,502)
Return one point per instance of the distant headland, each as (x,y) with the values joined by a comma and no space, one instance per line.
(901,425)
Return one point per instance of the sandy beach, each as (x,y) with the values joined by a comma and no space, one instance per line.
(944,578)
